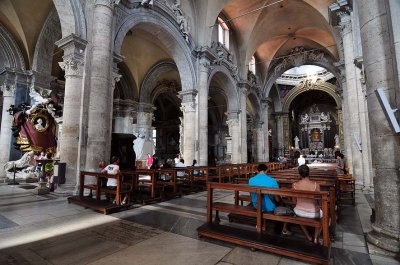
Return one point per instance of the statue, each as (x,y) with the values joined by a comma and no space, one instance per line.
(25,161)
(176,8)
(181,135)
(183,26)
(296,143)
(305,118)
(336,140)
(324,117)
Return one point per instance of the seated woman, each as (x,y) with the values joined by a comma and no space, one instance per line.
(113,169)
(305,207)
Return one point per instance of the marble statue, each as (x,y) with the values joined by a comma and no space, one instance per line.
(25,161)
(296,143)
(305,118)
(336,140)
(183,26)
(324,117)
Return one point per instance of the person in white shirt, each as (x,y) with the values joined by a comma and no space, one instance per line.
(113,169)
(301,160)
(176,159)
(181,163)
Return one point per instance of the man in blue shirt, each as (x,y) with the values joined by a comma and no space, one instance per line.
(265,181)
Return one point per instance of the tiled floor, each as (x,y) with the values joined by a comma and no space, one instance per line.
(47,230)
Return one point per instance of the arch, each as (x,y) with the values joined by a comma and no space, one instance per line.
(126,87)
(165,31)
(50,33)
(149,83)
(307,85)
(223,77)
(297,57)
(72,17)
(10,51)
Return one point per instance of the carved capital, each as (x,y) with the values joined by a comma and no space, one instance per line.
(188,96)
(188,107)
(73,67)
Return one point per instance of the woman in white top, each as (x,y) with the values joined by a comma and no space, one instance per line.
(113,169)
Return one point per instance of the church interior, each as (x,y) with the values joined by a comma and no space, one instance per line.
(218,87)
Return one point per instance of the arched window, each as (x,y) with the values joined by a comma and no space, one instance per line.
(223,33)
(252,65)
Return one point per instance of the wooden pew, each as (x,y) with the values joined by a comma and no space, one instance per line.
(257,238)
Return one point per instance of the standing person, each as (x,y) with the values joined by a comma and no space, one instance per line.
(113,169)
(339,164)
(149,161)
(305,207)
(268,201)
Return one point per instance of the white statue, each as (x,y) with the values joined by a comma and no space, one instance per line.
(324,117)
(26,160)
(336,140)
(305,118)
(296,143)
(183,26)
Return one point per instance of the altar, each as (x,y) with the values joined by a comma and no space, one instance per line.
(316,136)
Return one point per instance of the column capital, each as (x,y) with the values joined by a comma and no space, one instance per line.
(72,67)
(188,107)
(339,9)
(146,107)
(73,46)
(188,96)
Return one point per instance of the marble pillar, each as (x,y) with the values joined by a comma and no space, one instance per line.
(265,128)
(123,115)
(279,133)
(233,123)
(350,93)
(260,145)
(189,124)
(73,65)
(6,123)
(380,71)
(203,112)
(243,124)
(99,118)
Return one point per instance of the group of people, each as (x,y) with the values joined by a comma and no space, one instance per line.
(308,208)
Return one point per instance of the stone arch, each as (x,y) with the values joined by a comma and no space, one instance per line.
(147,93)
(10,52)
(72,17)
(151,21)
(255,101)
(228,84)
(50,33)
(307,85)
(297,57)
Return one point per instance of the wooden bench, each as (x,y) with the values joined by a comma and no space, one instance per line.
(97,204)
(258,239)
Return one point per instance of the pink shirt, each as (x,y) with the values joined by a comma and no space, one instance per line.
(149,160)
(305,204)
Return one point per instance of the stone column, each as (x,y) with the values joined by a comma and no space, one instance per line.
(6,123)
(233,122)
(243,123)
(265,128)
(123,114)
(380,70)
(279,133)
(189,124)
(203,112)
(73,65)
(260,145)
(99,118)
(350,93)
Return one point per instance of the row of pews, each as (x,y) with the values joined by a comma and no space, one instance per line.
(147,185)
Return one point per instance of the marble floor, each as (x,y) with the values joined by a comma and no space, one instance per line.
(47,230)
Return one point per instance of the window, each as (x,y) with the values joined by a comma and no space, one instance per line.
(223,33)
(252,65)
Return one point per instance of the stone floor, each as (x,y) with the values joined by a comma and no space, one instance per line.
(47,230)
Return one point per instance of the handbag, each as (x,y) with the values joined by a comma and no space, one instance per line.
(284,211)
